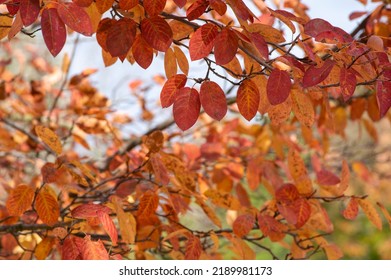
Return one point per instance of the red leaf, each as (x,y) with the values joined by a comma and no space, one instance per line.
(53,30)
(287,193)
(71,247)
(317,26)
(75,17)
(196,9)
(193,248)
(170,89)
(314,76)
(29,11)
(154,7)
(120,37)
(142,52)
(219,6)
(351,210)
(89,211)
(93,250)
(157,33)
(355,15)
(202,41)
(20,200)
(260,44)
(278,87)
(180,3)
(272,228)
(148,204)
(213,100)
(243,225)
(83,3)
(108,225)
(248,98)
(327,178)
(226,45)
(348,83)
(103,30)
(383,96)
(186,108)
(159,169)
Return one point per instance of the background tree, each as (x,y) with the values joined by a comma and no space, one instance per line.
(275,186)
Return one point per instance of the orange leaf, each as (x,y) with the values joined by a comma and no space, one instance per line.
(196,9)
(170,89)
(213,100)
(181,60)
(44,247)
(302,107)
(120,37)
(159,169)
(186,107)
(385,213)
(345,178)
(278,86)
(348,83)
(209,212)
(170,65)
(20,200)
(93,250)
(49,138)
(351,209)
(157,33)
(333,252)
(248,98)
(299,172)
(148,204)
(223,199)
(47,206)
(193,248)
(243,224)
(108,225)
(126,221)
(5,26)
(371,213)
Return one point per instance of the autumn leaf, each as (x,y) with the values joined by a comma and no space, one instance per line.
(93,250)
(53,30)
(278,86)
(299,172)
(348,83)
(248,99)
(159,169)
(47,206)
(44,247)
(29,11)
(315,75)
(196,9)
(243,224)
(108,225)
(170,64)
(71,248)
(148,204)
(371,213)
(120,37)
(202,41)
(127,222)
(157,33)
(351,210)
(213,100)
(170,89)
(186,107)
(272,228)
(302,108)
(89,210)
(49,138)
(104,5)
(193,248)
(225,46)
(20,200)
(75,17)
(154,7)
(383,93)
(142,52)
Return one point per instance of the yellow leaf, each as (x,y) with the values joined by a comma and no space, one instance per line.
(20,200)
(127,222)
(302,108)
(49,138)
(5,25)
(44,247)
(371,213)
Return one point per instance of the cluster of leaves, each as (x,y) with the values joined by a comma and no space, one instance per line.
(133,202)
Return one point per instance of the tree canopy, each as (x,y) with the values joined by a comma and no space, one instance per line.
(273,147)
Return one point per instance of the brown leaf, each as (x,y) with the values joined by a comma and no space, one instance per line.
(49,138)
